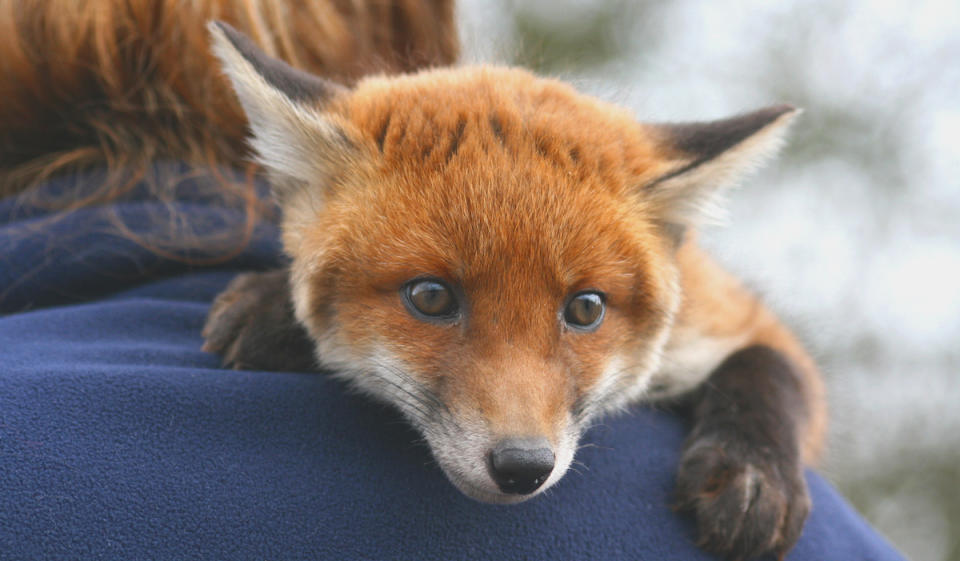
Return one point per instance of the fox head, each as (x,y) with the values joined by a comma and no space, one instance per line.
(489,251)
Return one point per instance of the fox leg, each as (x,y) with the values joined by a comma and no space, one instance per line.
(741,473)
(252,326)
(757,415)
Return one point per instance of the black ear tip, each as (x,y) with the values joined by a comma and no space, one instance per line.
(295,84)
(218,25)
(777,111)
(705,140)
(236,37)
(231,32)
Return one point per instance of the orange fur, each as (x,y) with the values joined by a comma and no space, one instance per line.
(519,191)
(715,303)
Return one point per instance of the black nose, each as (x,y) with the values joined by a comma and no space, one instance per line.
(521,465)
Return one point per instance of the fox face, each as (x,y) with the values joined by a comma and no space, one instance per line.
(491,297)
(491,252)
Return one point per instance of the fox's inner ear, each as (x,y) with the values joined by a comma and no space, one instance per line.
(707,157)
(293,138)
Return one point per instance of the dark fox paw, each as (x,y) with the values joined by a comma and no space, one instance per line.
(746,503)
(252,326)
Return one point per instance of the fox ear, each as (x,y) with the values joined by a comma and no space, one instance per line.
(707,157)
(292,137)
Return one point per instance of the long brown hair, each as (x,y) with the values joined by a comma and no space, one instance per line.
(120,84)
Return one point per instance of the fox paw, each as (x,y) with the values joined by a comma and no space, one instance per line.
(745,504)
(252,326)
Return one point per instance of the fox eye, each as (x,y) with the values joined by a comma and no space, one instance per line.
(431,298)
(585,310)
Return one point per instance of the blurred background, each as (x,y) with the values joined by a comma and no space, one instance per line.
(853,235)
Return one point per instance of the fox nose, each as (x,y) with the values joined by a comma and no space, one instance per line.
(519,466)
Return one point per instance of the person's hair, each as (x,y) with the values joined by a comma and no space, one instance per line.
(122,84)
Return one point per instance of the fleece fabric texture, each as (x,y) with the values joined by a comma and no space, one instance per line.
(121,439)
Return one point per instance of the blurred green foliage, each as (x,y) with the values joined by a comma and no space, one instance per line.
(573,41)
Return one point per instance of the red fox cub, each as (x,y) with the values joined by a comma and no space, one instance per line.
(504,259)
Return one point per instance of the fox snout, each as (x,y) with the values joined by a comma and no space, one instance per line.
(519,466)
(494,463)
(508,469)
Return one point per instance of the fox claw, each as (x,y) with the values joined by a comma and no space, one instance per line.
(252,326)
(744,504)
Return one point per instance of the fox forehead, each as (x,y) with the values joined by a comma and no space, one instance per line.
(488,114)
(490,223)
(473,171)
